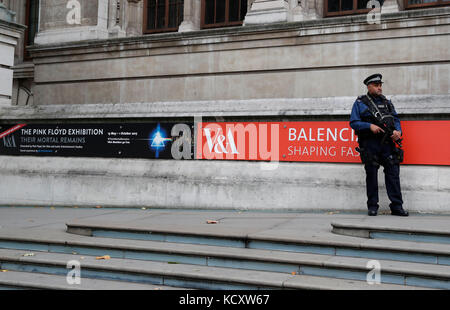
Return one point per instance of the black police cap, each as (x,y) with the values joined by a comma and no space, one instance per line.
(374,78)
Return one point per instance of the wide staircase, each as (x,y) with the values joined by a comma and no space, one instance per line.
(115,255)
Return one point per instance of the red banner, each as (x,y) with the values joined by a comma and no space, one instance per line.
(425,142)
(11,130)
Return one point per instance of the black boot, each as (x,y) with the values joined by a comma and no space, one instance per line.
(372,213)
(400,212)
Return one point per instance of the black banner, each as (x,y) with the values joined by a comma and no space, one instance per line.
(149,140)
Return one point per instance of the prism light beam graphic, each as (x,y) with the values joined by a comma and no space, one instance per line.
(158,140)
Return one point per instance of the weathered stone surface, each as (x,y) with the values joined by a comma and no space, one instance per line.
(207,184)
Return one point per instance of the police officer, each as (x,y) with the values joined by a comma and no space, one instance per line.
(374,148)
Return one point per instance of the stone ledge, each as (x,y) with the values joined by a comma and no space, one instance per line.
(435,227)
(419,105)
(24,70)
(217,33)
(203,184)
(8,25)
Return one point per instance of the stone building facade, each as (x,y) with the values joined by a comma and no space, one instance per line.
(273,60)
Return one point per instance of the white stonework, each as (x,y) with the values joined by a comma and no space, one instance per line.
(134,17)
(59,31)
(301,10)
(389,6)
(267,11)
(191,16)
(9,36)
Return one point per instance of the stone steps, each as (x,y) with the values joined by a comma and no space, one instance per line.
(165,274)
(398,250)
(13,280)
(284,263)
(240,251)
(426,232)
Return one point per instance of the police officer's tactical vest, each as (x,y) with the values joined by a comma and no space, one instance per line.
(383,111)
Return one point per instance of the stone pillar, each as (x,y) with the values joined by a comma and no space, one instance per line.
(267,11)
(72,20)
(191,16)
(10,34)
(116,20)
(134,17)
(6,14)
(301,10)
(389,6)
(18,7)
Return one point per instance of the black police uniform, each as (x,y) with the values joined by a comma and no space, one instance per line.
(376,151)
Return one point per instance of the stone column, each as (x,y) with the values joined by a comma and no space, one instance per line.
(10,34)
(6,14)
(191,16)
(389,6)
(18,7)
(267,11)
(117,18)
(72,20)
(301,10)
(134,17)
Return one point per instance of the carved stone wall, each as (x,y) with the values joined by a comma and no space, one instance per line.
(72,20)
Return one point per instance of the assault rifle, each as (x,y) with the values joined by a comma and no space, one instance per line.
(385,122)
(388,131)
